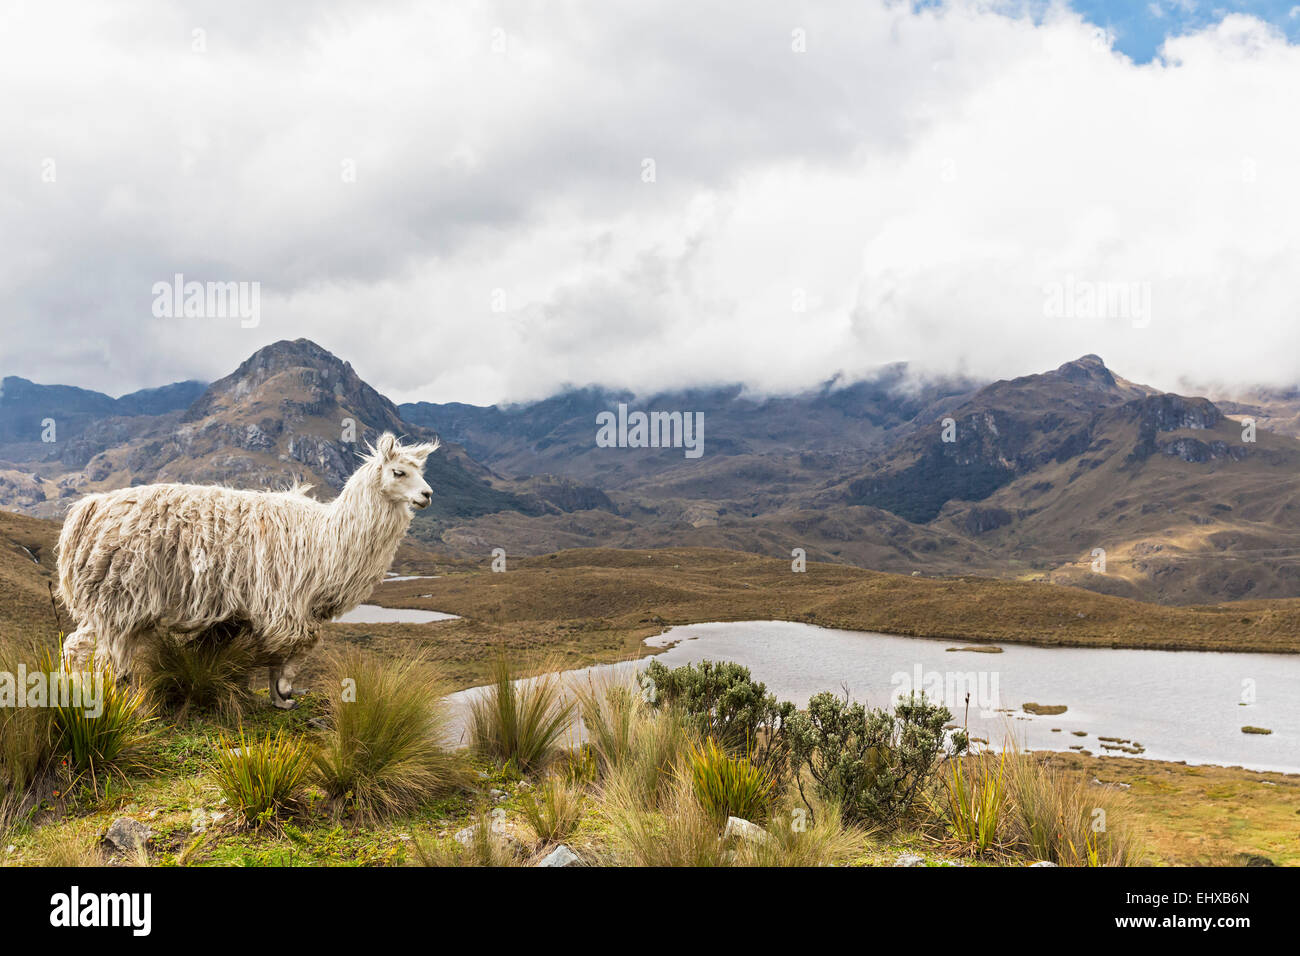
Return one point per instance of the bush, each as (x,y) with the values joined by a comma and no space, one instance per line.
(722,701)
(208,673)
(384,752)
(520,722)
(262,779)
(873,764)
(554,811)
(728,786)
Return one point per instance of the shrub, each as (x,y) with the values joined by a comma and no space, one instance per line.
(209,673)
(384,751)
(520,722)
(871,763)
(554,811)
(728,786)
(722,701)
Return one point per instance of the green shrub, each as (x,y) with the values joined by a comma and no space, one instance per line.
(520,722)
(873,764)
(722,701)
(728,786)
(261,780)
(385,750)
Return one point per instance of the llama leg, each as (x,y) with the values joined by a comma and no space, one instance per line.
(79,649)
(282,676)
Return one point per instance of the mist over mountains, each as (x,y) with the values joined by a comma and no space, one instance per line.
(1073,475)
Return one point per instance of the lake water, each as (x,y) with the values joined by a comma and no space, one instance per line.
(374,614)
(1178,705)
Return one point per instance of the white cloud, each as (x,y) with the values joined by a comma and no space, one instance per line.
(916,180)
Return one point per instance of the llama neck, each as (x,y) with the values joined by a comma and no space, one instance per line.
(362,532)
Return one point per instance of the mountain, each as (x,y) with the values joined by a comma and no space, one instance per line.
(1035,477)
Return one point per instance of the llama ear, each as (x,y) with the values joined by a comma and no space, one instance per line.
(386,446)
(423,450)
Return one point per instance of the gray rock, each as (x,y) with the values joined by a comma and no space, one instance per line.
(910,859)
(742,829)
(560,856)
(126,835)
(1043,863)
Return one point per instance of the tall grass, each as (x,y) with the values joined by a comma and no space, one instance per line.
(554,810)
(108,741)
(973,799)
(520,722)
(726,785)
(485,847)
(1062,817)
(260,780)
(384,752)
(28,744)
(208,673)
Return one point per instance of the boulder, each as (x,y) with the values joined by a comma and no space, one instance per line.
(742,829)
(560,856)
(127,835)
(910,859)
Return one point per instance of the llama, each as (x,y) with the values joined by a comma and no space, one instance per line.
(186,558)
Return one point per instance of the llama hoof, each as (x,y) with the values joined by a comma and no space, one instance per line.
(285,703)
(282,693)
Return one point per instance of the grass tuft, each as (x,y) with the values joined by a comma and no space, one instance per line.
(520,722)
(384,752)
(262,780)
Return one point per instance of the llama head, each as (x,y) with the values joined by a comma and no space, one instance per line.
(399,470)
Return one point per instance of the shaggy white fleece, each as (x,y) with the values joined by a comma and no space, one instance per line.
(183,558)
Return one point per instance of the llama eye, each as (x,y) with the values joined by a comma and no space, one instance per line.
(399,474)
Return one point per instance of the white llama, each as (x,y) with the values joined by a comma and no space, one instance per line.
(185,558)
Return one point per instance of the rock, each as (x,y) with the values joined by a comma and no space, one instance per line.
(127,835)
(498,795)
(560,856)
(910,859)
(1043,863)
(318,723)
(741,829)
(198,820)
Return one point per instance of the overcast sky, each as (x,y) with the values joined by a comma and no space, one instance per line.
(454,196)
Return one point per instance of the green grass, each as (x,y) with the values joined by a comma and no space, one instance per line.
(263,779)
(384,752)
(105,742)
(209,673)
(520,722)
(728,786)
(972,800)
(553,809)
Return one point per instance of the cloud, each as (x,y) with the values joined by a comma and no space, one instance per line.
(454,197)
